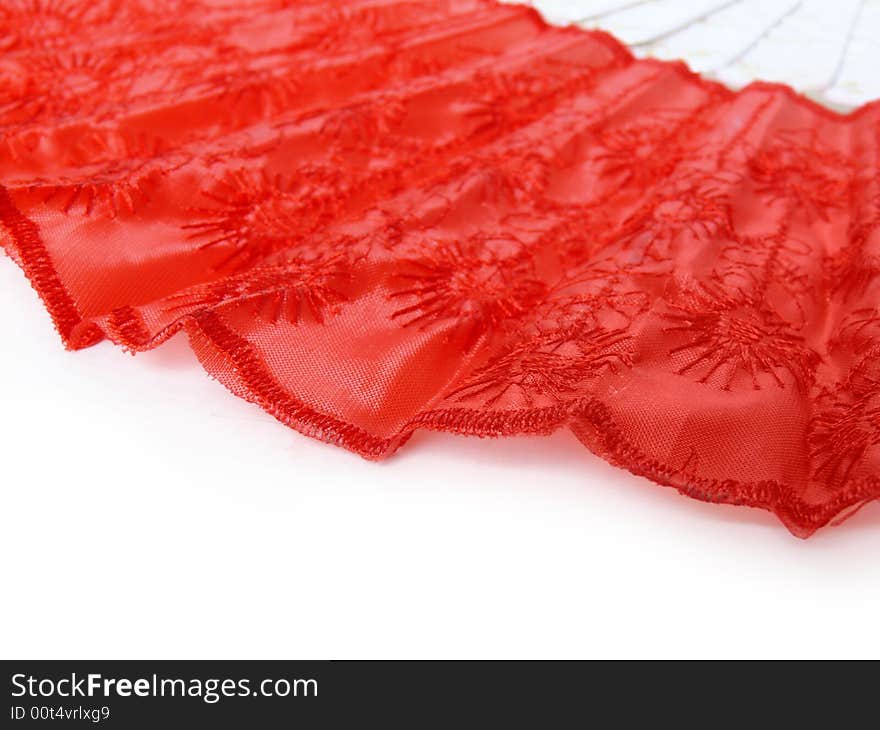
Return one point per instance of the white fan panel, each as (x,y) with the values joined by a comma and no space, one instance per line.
(649,21)
(563,12)
(859,78)
(805,50)
(828,49)
(725,36)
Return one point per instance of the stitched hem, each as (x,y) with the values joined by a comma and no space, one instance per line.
(37,265)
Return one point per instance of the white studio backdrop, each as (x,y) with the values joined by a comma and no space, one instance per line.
(148,513)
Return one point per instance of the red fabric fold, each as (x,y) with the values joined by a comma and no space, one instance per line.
(371,217)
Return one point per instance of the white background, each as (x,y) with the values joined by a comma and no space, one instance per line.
(148,513)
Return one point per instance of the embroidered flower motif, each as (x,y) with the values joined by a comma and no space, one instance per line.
(640,152)
(45,24)
(809,176)
(547,367)
(113,197)
(772,263)
(243,84)
(847,427)
(289,289)
(363,125)
(695,207)
(728,337)
(858,331)
(56,86)
(340,27)
(504,100)
(501,100)
(468,282)
(258,213)
(512,177)
(111,190)
(857,265)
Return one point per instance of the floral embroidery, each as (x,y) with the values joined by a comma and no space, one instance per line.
(641,152)
(114,189)
(44,24)
(258,213)
(803,173)
(503,100)
(856,266)
(727,337)
(848,424)
(287,289)
(858,331)
(59,85)
(364,124)
(548,366)
(468,282)
(695,208)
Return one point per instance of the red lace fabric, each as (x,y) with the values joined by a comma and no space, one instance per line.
(372,217)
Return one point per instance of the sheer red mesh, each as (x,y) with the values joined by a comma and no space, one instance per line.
(372,217)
